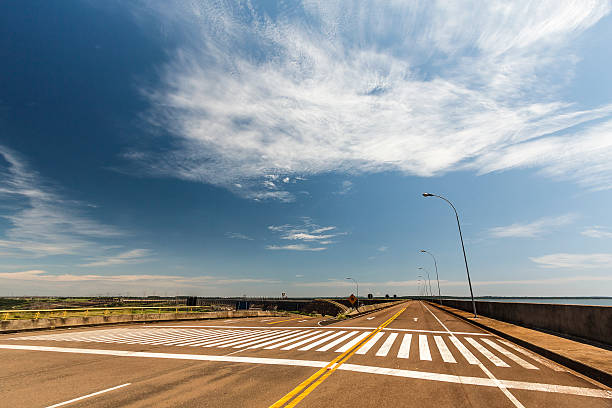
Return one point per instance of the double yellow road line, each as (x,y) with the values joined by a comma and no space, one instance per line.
(306,387)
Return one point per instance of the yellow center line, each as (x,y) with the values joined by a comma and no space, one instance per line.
(295,318)
(326,371)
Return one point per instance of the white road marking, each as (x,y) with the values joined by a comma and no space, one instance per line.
(337,341)
(447,357)
(384,349)
(370,343)
(370,318)
(300,343)
(323,340)
(485,352)
(464,351)
(502,387)
(291,336)
(422,375)
(284,343)
(533,356)
(260,340)
(416,319)
(336,327)
(93,394)
(239,338)
(424,353)
(404,350)
(351,343)
(510,355)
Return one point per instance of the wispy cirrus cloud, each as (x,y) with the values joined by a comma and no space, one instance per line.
(41,221)
(124,258)
(310,236)
(44,276)
(575,261)
(597,231)
(537,228)
(238,235)
(327,86)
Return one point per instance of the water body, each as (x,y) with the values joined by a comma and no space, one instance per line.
(560,300)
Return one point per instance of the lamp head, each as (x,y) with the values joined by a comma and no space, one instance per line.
(422,250)
(427,195)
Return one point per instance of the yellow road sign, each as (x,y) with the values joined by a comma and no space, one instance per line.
(352,299)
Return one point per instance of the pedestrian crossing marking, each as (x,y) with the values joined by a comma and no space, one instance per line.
(366,347)
(384,349)
(485,352)
(404,350)
(449,347)
(447,357)
(424,348)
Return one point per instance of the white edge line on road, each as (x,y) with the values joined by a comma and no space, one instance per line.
(88,396)
(333,327)
(421,375)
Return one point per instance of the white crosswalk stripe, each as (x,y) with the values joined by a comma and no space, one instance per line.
(317,339)
(338,341)
(511,356)
(424,352)
(464,351)
(353,342)
(447,357)
(404,350)
(370,343)
(323,340)
(384,349)
(490,356)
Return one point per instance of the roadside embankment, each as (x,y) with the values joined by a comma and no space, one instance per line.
(591,361)
(582,322)
(58,322)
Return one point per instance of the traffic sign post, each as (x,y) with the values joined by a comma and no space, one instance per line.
(353,299)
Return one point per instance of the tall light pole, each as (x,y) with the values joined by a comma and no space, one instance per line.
(356,284)
(424,284)
(437,277)
(462,247)
(428,280)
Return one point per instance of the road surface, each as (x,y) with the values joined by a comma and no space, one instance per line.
(411,354)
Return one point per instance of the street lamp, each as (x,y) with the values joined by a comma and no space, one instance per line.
(423,288)
(437,277)
(356,284)
(462,247)
(428,280)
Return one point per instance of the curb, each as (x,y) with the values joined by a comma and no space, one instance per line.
(584,369)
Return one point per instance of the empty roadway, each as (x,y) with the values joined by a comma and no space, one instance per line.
(408,355)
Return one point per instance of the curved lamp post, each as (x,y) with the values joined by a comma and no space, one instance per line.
(428,280)
(462,247)
(424,294)
(356,284)
(437,277)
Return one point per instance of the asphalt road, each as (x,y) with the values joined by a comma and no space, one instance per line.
(410,355)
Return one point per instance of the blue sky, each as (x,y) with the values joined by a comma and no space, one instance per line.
(256,148)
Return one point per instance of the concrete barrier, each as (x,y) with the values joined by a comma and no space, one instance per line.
(58,322)
(591,323)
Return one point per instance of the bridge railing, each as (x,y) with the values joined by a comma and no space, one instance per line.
(97,311)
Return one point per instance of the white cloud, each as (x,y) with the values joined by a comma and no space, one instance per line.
(334,86)
(597,231)
(383,248)
(308,232)
(238,235)
(129,257)
(41,275)
(545,225)
(345,187)
(295,247)
(575,261)
(41,221)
